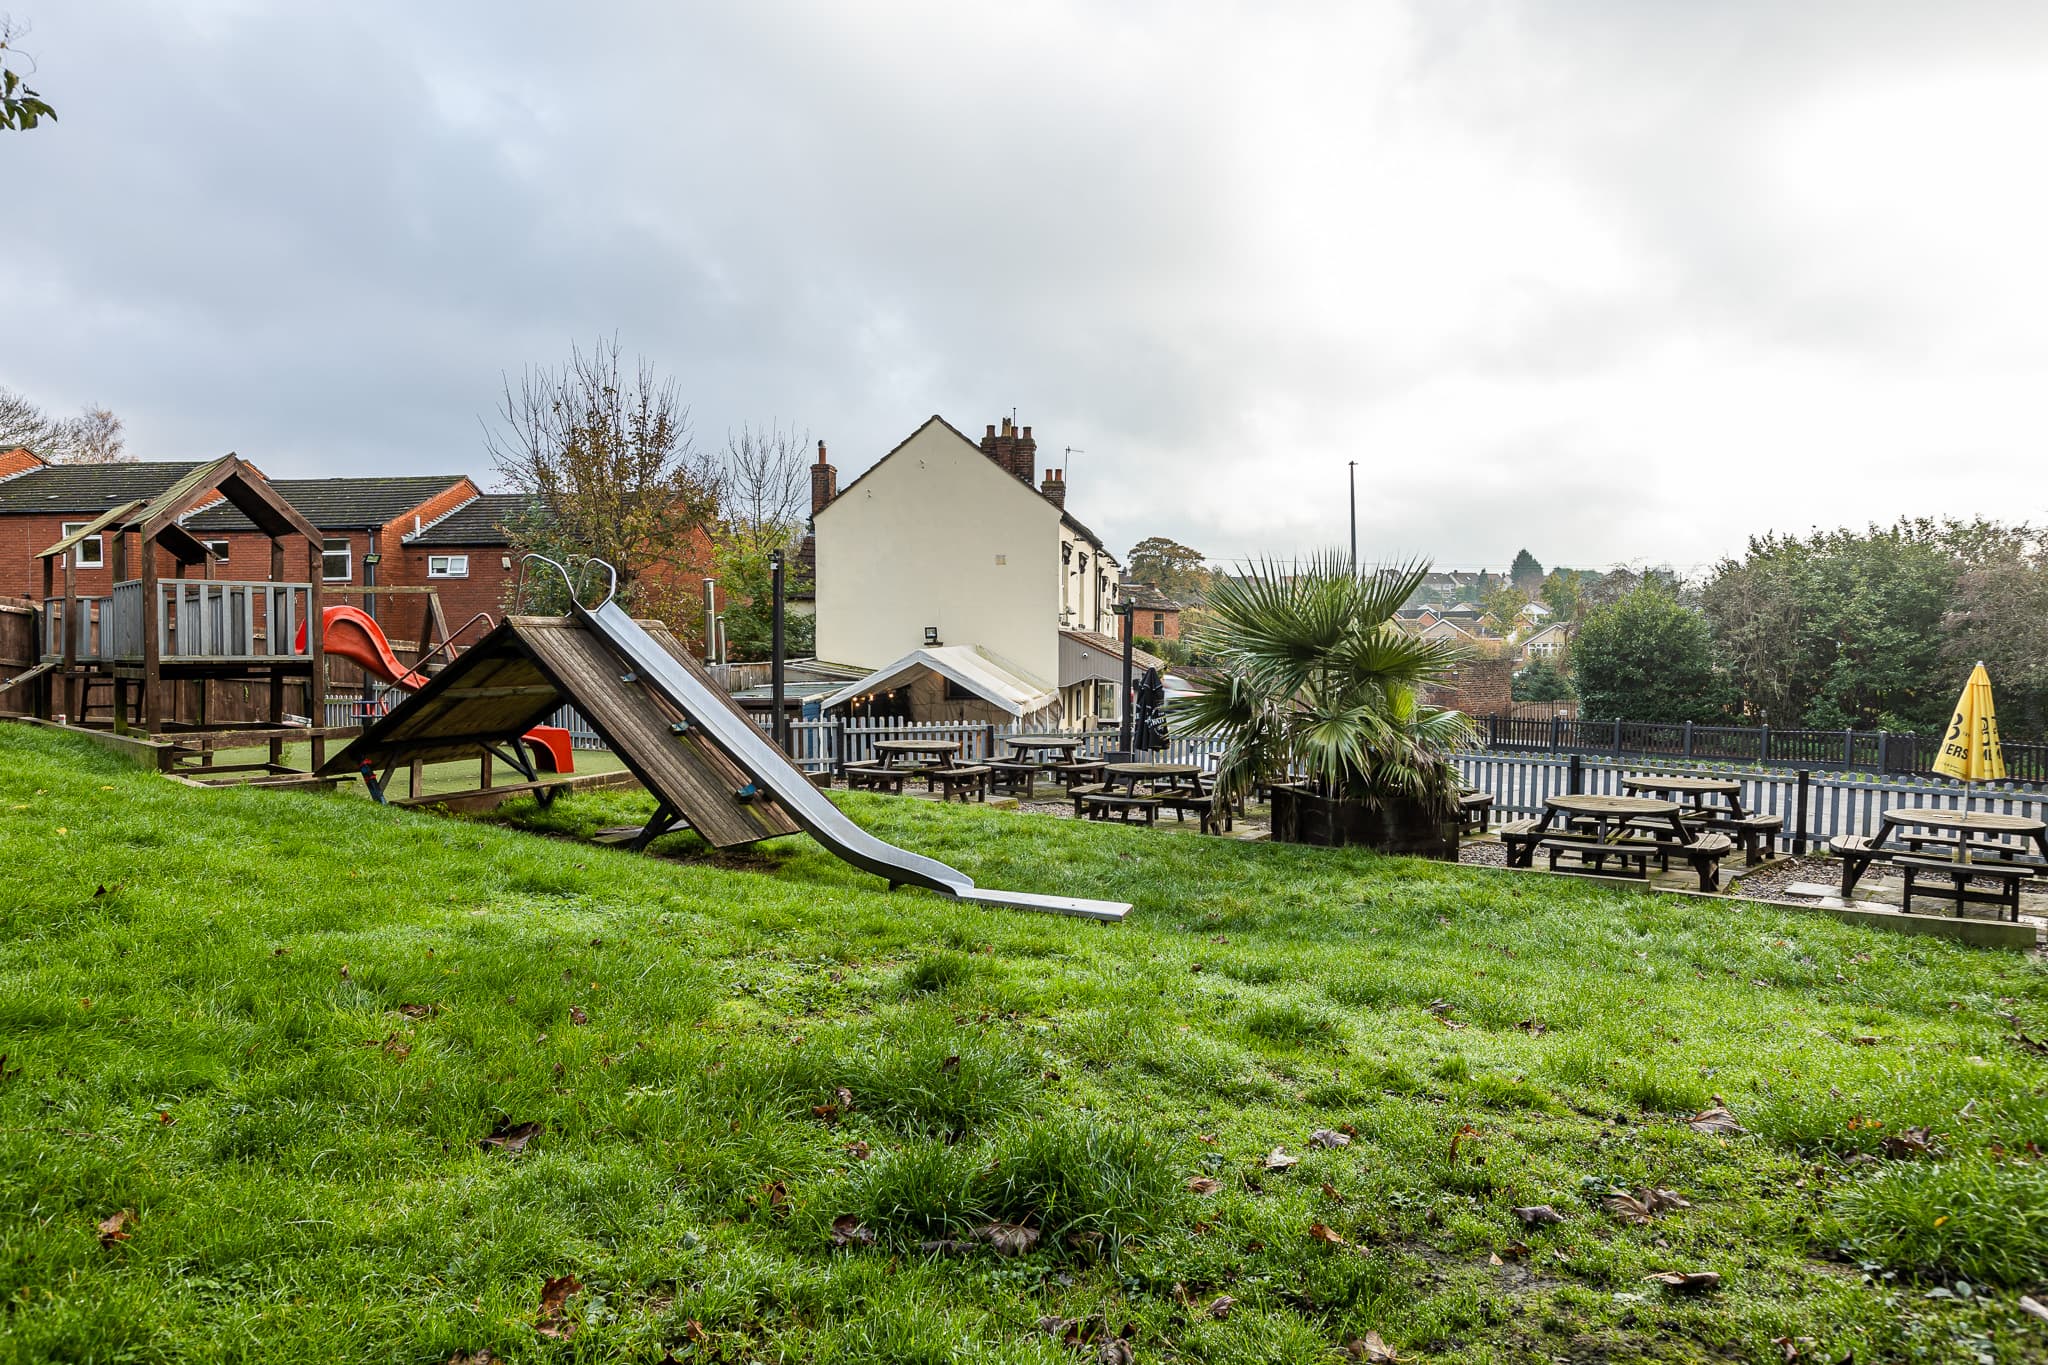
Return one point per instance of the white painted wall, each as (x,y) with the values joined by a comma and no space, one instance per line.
(938,535)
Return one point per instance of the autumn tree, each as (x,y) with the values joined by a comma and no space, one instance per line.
(20,107)
(610,473)
(1174,569)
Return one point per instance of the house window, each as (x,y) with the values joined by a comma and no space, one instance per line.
(1158,625)
(447,566)
(219,548)
(90,553)
(337,562)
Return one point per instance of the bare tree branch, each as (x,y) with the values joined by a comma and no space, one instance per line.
(767,485)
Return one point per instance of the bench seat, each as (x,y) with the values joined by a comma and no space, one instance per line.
(962,781)
(2009,876)
(1202,804)
(875,776)
(1099,805)
(1475,811)
(1011,776)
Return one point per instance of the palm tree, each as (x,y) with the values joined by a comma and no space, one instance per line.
(1315,683)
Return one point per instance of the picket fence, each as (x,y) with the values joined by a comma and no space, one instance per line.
(1815,805)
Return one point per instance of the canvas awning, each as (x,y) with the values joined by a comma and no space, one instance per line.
(1000,684)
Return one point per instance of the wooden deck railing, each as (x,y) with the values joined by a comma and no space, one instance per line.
(198,620)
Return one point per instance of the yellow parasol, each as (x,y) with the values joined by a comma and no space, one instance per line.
(1970,750)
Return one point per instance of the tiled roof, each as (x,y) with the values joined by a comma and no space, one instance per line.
(90,488)
(480,521)
(338,504)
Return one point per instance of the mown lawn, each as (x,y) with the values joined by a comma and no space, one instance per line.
(282,1033)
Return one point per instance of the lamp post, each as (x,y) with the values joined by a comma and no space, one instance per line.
(775,685)
(1354,519)
(1123,609)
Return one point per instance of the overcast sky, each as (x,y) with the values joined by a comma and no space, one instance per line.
(1616,280)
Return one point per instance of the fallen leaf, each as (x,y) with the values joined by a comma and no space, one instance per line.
(1643,1205)
(1686,1281)
(775,1194)
(1516,1251)
(1330,1193)
(114,1228)
(1908,1143)
(397,1047)
(1323,1233)
(511,1137)
(1009,1239)
(163,1116)
(554,1296)
(951,1064)
(1328,1137)
(99,891)
(419,1011)
(848,1230)
(1370,1349)
(827,1112)
(1532,1027)
(1465,1130)
(844,1097)
(1864,1040)
(1220,1308)
(1208,1138)
(483,1357)
(1493,1258)
(857,1150)
(1539,1215)
(1278,1160)
(1203,1184)
(577,1016)
(1716,1120)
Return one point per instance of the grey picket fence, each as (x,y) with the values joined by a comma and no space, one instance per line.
(1834,803)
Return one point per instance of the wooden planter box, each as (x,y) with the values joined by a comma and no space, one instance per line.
(1302,817)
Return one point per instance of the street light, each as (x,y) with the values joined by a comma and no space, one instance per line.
(1354,519)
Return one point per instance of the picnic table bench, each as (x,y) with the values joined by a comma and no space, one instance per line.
(1096,802)
(962,780)
(1963,838)
(875,777)
(1715,803)
(1012,776)
(1475,811)
(1072,774)
(1625,829)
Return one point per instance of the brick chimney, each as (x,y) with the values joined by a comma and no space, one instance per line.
(824,482)
(1055,487)
(1013,449)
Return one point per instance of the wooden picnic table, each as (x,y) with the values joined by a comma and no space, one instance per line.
(1061,746)
(1858,854)
(1625,828)
(891,749)
(1695,793)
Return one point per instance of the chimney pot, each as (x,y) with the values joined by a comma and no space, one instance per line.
(821,453)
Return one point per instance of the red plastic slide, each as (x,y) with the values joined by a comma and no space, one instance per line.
(354,634)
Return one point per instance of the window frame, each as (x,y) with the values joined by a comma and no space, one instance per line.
(448,562)
(98,543)
(221,548)
(348,559)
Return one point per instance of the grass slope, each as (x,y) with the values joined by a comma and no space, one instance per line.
(282,1033)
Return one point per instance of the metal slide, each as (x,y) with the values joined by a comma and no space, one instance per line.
(771,769)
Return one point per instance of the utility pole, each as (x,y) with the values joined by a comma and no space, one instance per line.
(1354,519)
(1124,735)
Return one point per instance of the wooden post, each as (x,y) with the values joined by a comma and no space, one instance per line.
(1799,816)
(1848,748)
(152,652)
(1617,737)
(1763,743)
(1688,739)
(278,651)
(316,644)
(1575,775)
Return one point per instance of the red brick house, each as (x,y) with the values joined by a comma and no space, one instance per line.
(1154,616)
(467,554)
(42,503)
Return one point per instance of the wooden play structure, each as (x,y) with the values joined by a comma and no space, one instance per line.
(168,627)
(706,763)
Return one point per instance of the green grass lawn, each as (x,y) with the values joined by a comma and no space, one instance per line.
(277,1030)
